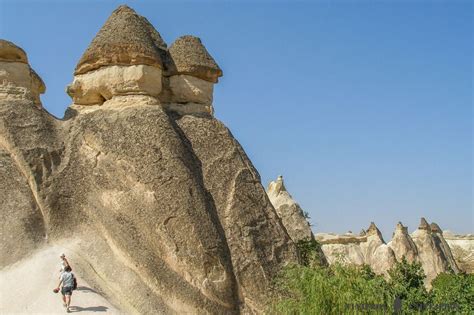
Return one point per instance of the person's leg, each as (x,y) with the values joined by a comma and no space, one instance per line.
(64,299)
(68,300)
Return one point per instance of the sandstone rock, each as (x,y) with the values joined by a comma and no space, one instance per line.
(382,259)
(125,39)
(443,247)
(95,87)
(191,57)
(403,245)
(18,81)
(189,89)
(430,254)
(428,247)
(9,52)
(168,213)
(289,211)
(462,248)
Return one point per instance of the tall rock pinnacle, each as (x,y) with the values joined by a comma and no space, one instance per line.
(125,39)
(289,211)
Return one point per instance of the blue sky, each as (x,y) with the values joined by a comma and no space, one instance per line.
(365,107)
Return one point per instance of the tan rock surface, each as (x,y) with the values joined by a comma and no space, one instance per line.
(462,248)
(9,52)
(403,245)
(289,211)
(189,89)
(167,210)
(95,87)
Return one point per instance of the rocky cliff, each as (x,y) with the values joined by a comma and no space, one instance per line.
(167,211)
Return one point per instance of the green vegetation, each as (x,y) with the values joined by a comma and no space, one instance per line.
(312,288)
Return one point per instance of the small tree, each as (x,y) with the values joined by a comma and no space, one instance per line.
(309,252)
(407,284)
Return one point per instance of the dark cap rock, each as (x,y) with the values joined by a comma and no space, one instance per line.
(191,57)
(424,225)
(125,39)
(435,228)
(11,52)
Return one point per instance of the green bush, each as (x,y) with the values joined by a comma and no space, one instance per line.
(338,289)
(407,283)
(330,290)
(453,293)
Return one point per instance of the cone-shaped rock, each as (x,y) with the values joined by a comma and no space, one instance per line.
(373,230)
(291,214)
(424,225)
(191,57)
(402,244)
(125,39)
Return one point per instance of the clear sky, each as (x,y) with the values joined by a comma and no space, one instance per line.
(364,107)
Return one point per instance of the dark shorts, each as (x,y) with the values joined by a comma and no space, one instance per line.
(66,290)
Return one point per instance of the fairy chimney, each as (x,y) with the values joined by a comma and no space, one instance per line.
(18,81)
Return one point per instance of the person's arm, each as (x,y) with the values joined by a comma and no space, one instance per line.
(59,284)
(67,262)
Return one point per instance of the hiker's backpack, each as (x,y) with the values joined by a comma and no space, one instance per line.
(74,283)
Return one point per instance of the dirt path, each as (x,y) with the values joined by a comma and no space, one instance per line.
(27,288)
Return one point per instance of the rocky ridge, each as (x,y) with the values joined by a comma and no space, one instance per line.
(436,251)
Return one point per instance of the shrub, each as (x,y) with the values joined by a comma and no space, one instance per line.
(407,284)
(331,290)
(453,293)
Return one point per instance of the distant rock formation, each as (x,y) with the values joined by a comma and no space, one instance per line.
(462,248)
(426,245)
(161,199)
(289,211)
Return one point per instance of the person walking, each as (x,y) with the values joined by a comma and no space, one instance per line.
(66,283)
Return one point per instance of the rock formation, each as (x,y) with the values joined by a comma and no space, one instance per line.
(167,211)
(430,253)
(289,211)
(18,81)
(424,245)
(462,248)
(402,244)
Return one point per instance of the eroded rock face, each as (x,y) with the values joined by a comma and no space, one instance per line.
(163,203)
(289,211)
(402,244)
(462,248)
(96,87)
(424,245)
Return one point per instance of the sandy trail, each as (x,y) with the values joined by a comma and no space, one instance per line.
(27,288)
